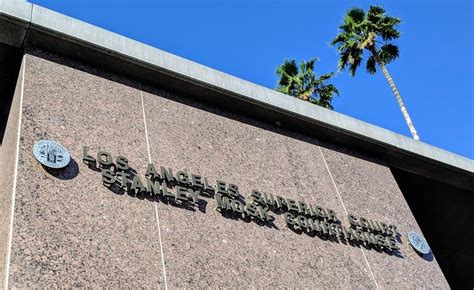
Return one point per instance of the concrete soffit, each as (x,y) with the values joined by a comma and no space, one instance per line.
(19,19)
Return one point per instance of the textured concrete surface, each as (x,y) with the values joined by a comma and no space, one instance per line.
(8,159)
(69,230)
(102,46)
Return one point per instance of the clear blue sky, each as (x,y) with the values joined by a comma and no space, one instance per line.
(250,38)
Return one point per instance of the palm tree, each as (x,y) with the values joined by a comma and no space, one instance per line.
(304,84)
(371,32)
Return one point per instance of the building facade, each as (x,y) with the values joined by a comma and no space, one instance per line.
(183,176)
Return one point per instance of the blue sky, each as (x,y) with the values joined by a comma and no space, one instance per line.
(250,38)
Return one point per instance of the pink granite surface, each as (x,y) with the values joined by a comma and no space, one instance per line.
(231,253)
(69,230)
(7,171)
(369,189)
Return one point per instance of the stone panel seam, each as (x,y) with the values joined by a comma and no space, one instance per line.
(154,203)
(345,211)
(15,177)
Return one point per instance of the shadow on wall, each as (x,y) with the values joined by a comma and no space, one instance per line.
(445,214)
(10,62)
(67,173)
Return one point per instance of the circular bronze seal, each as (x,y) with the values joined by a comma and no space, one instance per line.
(418,243)
(51,154)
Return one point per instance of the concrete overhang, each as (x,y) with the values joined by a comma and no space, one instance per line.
(27,25)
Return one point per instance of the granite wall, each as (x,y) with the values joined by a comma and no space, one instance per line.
(71,230)
(8,163)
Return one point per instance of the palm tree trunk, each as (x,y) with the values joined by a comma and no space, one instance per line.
(396,93)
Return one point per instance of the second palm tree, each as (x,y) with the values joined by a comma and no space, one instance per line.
(361,31)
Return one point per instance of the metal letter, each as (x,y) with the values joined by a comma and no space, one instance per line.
(108,158)
(197,181)
(181,193)
(302,222)
(384,228)
(349,233)
(314,225)
(237,206)
(338,229)
(269,199)
(321,212)
(108,177)
(263,212)
(153,188)
(251,210)
(151,171)
(233,190)
(86,158)
(292,205)
(223,203)
(281,201)
(123,178)
(166,193)
(194,194)
(207,186)
(167,175)
(182,178)
(364,223)
(289,218)
(353,220)
(393,243)
(256,197)
(122,163)
(382,241)
(302,207)
(137,185)
(331,214)
(376,226)
(221,188)
(393,230)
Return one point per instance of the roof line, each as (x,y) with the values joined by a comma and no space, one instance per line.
(18,16)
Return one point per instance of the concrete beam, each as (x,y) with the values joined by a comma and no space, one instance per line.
(32,25)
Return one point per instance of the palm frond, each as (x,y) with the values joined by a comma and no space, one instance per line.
(370,65)
(355,15)
(288,67)
(361,31)
(325,77)
(301,81)
(355,60)
(388,52)
(375,13)
(343,60)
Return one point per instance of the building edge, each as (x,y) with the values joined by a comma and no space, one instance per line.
(28,25)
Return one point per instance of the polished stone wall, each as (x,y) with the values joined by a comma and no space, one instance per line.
(70,230)
(8,165)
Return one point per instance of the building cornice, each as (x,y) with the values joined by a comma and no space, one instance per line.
(25,24)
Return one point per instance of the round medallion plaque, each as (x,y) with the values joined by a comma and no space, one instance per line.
(418,242)
(51,154)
